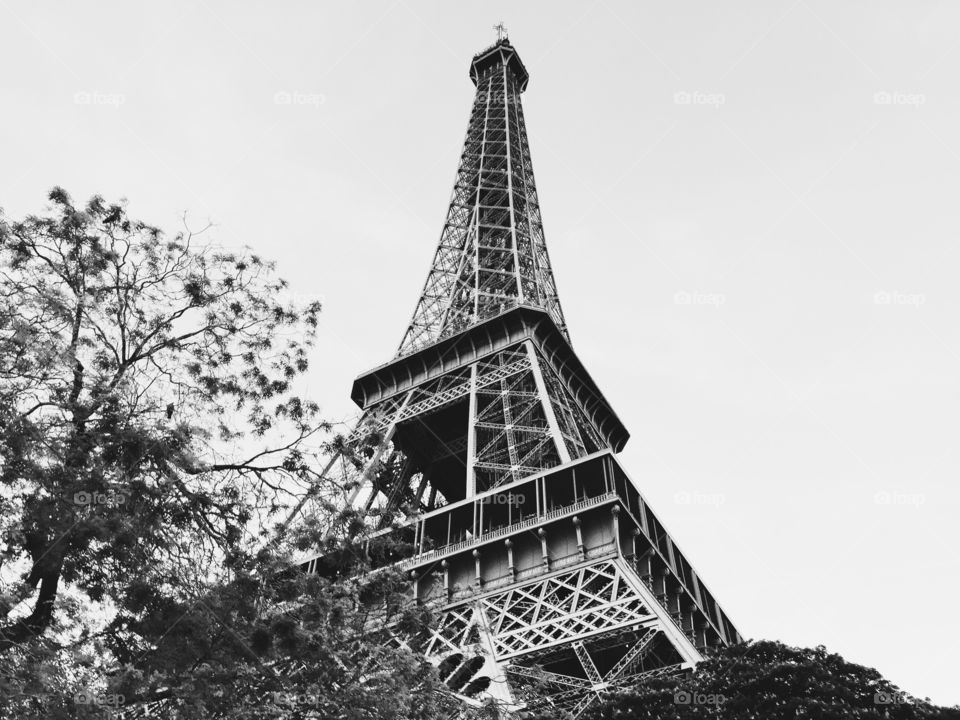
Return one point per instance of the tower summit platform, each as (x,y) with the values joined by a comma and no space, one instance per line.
(502,53)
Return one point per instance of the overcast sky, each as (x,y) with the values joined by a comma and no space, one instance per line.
(752,210)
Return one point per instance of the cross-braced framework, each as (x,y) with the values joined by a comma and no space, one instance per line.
(492,254)
(487,440)
(564,607)
(572,620)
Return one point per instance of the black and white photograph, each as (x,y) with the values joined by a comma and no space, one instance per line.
(420,360)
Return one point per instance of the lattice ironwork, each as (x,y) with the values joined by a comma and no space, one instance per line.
(454,631)
(579,434)
(550,617)
(492,254)
(597,594)
(513,437)
(543,689)
(569,606)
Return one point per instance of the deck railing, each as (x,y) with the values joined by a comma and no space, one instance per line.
(452,548)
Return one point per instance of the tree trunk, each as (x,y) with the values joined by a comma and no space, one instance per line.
(46,572)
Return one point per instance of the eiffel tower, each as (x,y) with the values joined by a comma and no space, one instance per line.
(552,578)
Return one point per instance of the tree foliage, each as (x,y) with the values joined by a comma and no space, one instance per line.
(137,374)
(150,437)
(276,643)
(770,681)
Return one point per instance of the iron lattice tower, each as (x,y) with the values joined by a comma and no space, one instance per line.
(553,579)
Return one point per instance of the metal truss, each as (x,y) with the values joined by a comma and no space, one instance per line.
(511,430)
(361,474)
(449,388)
(575,694)
(579,614)
(520,421)
(570,606)
(500,412)
(492,254)
(578,433)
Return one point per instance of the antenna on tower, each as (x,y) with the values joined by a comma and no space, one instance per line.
(501,31)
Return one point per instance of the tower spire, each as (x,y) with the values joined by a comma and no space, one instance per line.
(501,31)
(492,254)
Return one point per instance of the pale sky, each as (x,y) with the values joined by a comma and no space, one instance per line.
(751,209)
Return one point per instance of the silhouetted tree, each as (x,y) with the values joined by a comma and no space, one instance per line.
(769,681)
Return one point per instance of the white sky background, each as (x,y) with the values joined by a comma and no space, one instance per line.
(795,431)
